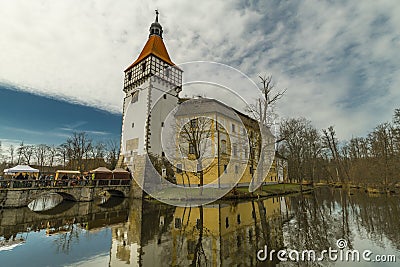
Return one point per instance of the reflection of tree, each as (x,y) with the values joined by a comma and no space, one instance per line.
(378,215)
(199,258)
(328,214)
(67,235)
(314,225)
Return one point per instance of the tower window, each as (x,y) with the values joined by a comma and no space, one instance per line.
(133,124)
(233,128)
(225,169)
(129,76)
(165,96)
(162,124)
(135,96)
(236,169)
(143,66)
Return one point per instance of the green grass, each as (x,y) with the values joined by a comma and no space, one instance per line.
(240,192)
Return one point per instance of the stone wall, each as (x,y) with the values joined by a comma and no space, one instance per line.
(13,198)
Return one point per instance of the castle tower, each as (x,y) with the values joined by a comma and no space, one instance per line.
(151,78)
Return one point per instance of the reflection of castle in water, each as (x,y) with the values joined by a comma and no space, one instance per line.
(213,235)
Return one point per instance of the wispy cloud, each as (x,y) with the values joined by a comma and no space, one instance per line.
(338,59)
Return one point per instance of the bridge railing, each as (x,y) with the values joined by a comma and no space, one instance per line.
(61,183)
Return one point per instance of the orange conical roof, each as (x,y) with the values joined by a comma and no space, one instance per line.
(156,47)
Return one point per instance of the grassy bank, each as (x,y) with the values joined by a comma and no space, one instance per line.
(368,188)
(236,193)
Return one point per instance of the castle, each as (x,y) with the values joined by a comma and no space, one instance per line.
(152,85)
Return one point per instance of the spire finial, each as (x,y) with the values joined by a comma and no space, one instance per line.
(155,27)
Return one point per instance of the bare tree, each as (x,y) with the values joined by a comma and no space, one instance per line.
(78,145)
(19,152)
(302,147)
(27,153)
(51,155)
(112,152)
(11,150)
(194,140)
(41,152)
(64,154)
(331,142)
(263,109)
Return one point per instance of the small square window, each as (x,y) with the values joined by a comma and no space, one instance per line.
(193,123)
(178,223)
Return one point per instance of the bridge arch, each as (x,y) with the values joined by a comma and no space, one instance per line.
(116,193)
(47,200)
(66,196)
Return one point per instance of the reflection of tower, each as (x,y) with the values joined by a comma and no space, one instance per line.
(150,78)
(144,239)
(126,238)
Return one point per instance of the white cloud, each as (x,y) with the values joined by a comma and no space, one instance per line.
(338,59)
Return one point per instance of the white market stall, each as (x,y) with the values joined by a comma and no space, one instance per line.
(22,169)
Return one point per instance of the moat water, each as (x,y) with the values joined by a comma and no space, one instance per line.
(123,232)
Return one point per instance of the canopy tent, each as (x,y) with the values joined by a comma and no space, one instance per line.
(101,173)
(120,173)
(66,172)
(22,168)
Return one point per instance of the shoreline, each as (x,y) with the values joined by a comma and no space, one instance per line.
(238,193)
(371,189)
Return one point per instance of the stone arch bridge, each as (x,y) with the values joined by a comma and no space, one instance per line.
(19,193)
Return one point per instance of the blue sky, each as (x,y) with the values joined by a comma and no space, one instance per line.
(339,60)
(39,119)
